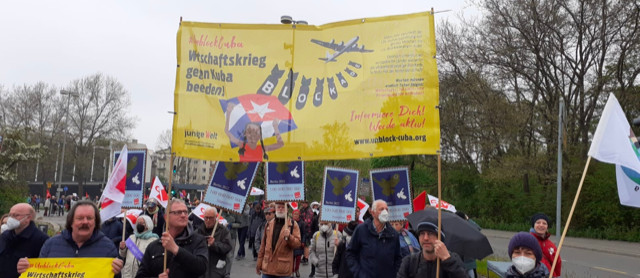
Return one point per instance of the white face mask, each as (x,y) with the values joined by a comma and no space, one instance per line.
(384,216)
(523,264)
(324,228)
(4,228)
(13,223)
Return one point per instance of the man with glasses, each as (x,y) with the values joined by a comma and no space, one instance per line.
(186,250)
(81,238)
(219,245)
(268,215)
(21,240)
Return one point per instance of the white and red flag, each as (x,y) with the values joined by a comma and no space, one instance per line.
(113,194)
(132,216)
(158,192)
(433,201)
(363,209)
(199,212)
(294,205)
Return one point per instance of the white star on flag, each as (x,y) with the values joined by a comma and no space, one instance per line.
(261,110)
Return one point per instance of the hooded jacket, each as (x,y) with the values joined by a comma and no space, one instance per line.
(191,260)
(217,251)
(538,272)
(63,246)
(278,261)
(371,254)
(322,252)
(131,264)
(548,253)
(13,247)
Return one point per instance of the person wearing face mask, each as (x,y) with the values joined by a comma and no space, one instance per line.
(374,250)
(154,211)
(81,238)
(3,221)
(133,249)
(339,265)
(20,239)
(323,249)
(525,254)
(424,263)
(540,225)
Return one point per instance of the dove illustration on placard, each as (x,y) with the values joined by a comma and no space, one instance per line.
(348,196)
(135,179)
(401,194)
(294,173)
(339,184)
(241,182)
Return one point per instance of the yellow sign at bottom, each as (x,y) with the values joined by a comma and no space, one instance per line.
(69,268)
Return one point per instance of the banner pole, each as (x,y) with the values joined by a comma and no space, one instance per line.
(216,225)
(439,210)
(566,226)
(168,209)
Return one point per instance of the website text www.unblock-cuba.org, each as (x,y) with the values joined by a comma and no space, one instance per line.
(391,138)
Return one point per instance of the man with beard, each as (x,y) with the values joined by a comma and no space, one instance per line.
(423,264)
(374,250)
(187,252)
(22,239)
(219,245)
(81,238)
(281,236)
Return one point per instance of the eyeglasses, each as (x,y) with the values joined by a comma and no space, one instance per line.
(209,218)
(179,212)
(17,215)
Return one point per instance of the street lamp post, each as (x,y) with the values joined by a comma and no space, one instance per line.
(285,19)
(69,94)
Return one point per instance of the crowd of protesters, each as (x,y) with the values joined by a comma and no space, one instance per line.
(279,242)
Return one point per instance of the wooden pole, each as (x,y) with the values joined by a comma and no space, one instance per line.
(439,210)
(215,226)
(566,226)
(124,224)
(168,210)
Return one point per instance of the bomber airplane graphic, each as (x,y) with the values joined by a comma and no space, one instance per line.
(350,46)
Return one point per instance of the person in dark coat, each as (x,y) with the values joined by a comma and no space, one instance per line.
(257,218)
(526,256)
(112,229)
(424,264)
(374,250)
(22,239)
(187,254)
(81,238)
(339,265)
(219,245)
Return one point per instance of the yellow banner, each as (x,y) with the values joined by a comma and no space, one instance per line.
(69,268)
(361,88)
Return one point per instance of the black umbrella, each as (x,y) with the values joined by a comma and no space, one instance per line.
(461,236)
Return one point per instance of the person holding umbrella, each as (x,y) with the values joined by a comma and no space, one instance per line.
(423,264)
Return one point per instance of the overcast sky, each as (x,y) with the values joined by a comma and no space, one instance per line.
(135,40)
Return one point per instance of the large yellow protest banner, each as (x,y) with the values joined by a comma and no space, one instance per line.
(352,89)
(69,268)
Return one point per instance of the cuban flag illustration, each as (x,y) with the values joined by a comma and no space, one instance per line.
(260,109)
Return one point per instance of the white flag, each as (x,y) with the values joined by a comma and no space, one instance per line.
(628,186)
(109,208)
(132,216)
(199,212)
(433,201)
(116,185)
(159,193)
(612,139)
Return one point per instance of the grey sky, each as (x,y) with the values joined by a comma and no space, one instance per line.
(135,41)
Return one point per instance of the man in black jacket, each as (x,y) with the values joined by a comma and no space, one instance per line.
(23,239)
(187,253)
(219,245)
(423,264)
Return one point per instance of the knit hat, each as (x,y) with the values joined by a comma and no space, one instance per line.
(269,210)
(428,226)
(524,239)
(538,216)
(350,227)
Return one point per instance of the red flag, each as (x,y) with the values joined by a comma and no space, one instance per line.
(48,194)
(363,209)
(420,201)
(183,193)
(86,194)
(294,205)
